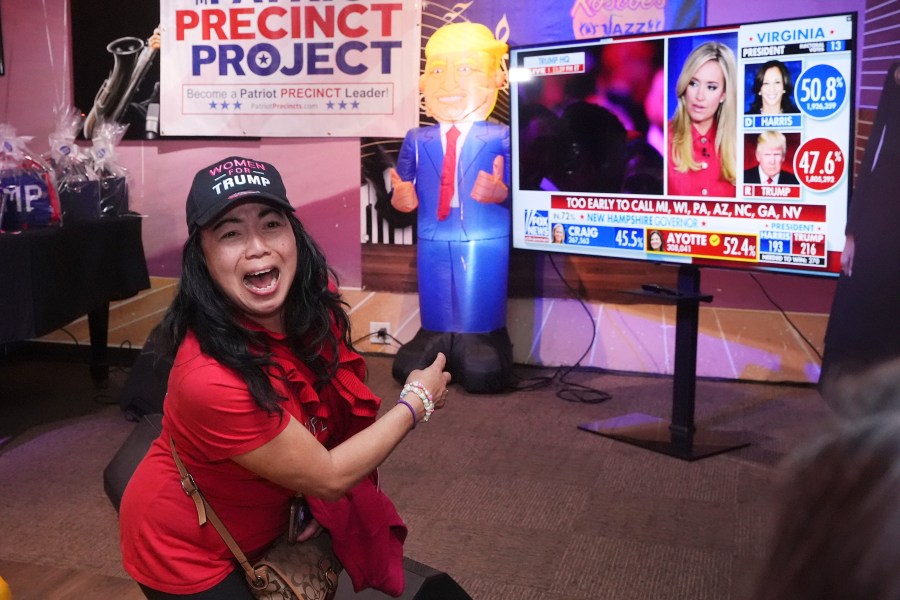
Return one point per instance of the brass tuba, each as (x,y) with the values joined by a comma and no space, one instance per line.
(132,58)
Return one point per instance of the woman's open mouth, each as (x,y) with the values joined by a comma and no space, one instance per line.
(261,282)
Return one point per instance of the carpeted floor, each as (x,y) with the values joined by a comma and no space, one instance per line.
(503,492)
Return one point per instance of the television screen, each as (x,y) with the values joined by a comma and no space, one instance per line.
(727,146)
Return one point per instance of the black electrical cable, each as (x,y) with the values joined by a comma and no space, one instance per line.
(786,317)
(570,391)
(385,335)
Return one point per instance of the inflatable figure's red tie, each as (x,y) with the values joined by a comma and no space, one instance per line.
(448,174)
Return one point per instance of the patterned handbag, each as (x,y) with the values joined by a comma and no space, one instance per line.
(306,571)
(288,571)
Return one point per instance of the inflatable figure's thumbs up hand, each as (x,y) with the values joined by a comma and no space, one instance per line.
(404,198)
(489,187)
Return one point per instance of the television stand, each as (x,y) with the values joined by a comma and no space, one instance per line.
(679,437)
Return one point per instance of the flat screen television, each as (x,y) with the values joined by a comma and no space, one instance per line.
(603,165)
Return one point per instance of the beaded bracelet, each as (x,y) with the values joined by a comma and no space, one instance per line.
(418,385)
(424,395)
(411,409)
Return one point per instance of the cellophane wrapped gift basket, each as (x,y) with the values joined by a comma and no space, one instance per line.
(112,175)
(76,181)
(30,198)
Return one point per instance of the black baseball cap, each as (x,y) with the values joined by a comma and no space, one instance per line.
(226,182)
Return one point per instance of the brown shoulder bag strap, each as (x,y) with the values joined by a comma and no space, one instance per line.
(205,512)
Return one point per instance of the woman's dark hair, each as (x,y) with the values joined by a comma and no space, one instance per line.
(787,102)
(310,309)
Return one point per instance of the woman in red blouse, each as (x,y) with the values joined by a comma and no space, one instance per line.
(702,132)
(266,399)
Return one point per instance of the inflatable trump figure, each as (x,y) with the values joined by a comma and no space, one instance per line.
(456,173)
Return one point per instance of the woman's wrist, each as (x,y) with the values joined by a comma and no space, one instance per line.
(424,395)
(415,416)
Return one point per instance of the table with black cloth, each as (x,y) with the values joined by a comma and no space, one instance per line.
(51,276)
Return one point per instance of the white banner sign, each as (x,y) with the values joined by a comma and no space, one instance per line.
(289,68)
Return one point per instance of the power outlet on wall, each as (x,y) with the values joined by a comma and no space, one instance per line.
(379,332)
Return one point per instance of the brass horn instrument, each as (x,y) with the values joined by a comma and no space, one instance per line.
(132,58)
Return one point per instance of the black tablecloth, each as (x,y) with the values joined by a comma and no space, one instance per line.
(50,277)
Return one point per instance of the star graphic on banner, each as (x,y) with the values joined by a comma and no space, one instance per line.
(355,105)
(263,58)
(342,105)
(330,105)
(213,105)
(237,106)
(224,106)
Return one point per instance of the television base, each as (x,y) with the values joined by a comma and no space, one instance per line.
(653,433)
